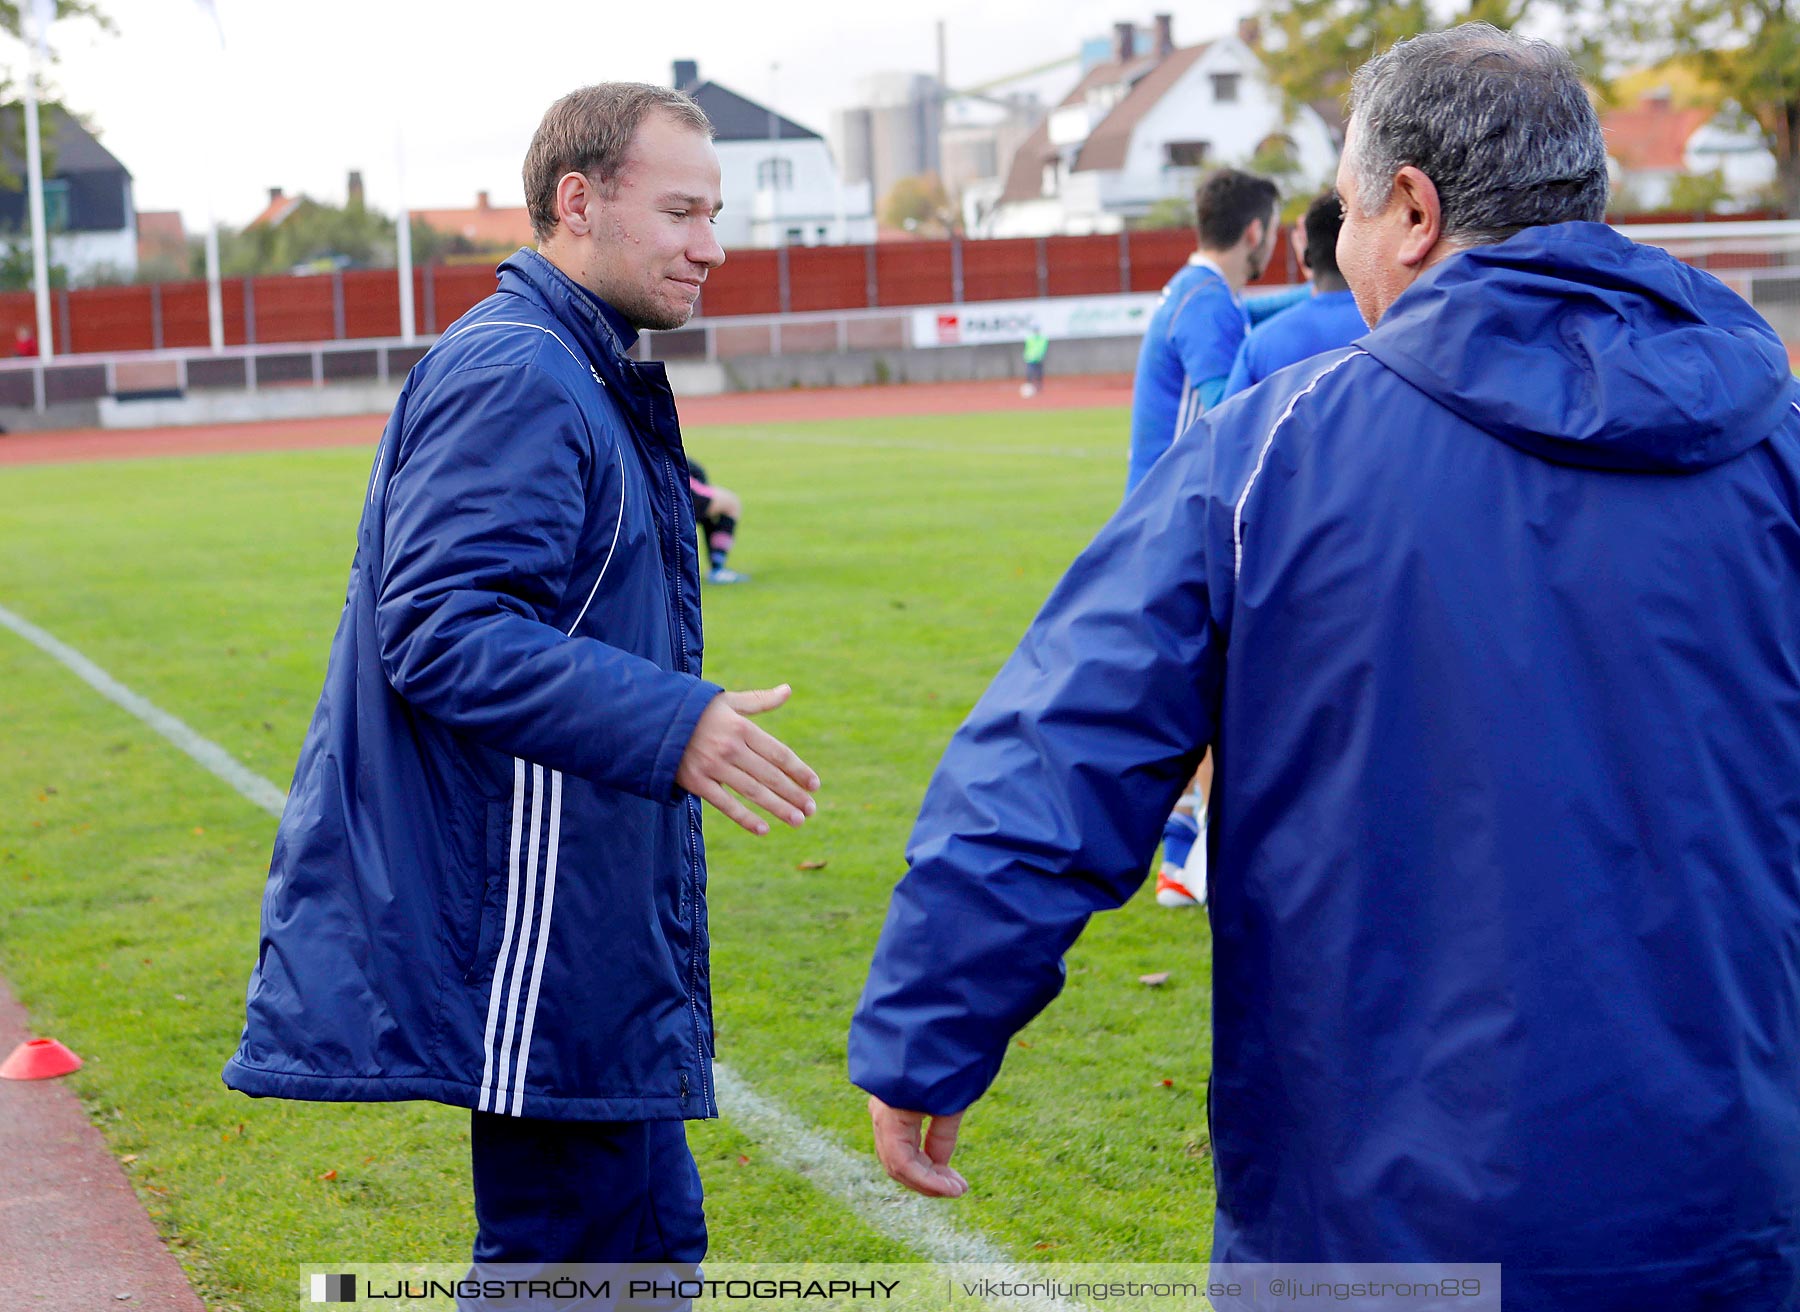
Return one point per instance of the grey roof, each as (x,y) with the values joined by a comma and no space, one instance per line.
(738,118)
(72,148)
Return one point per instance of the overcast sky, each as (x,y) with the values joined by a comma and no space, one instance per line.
(304,92)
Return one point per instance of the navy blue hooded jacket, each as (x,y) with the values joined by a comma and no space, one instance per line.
(1493,620)
(487,889)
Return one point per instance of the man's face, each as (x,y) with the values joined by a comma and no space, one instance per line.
(651,243)
(1368,248)
(1265,250)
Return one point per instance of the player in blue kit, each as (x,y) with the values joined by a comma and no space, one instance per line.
(1195,333)
(1324,321)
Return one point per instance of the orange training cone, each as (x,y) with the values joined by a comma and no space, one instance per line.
(39,1059)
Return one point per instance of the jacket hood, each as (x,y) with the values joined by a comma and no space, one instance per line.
(1586,348)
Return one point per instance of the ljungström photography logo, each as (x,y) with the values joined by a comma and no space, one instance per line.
(333,1289)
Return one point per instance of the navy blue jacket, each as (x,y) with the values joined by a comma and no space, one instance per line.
(1494,622)
(487,889)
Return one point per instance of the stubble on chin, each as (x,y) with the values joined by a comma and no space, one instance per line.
(646,315)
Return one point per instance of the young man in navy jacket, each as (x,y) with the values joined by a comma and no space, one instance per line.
(488,887)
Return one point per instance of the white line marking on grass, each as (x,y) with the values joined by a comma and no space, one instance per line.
(245,781)
(792,1143)
(909,1218)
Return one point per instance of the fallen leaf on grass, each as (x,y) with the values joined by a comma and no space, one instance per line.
(1156,980)
(329,1175)
(743,1160)
(811,865)
(1042,1244)
(1167,1084)
(1021,1043)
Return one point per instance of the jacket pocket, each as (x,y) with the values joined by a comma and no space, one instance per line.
(483,937)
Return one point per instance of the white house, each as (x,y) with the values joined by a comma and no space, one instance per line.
(1652,143)
(780,185)
(1144,127)
(89,213)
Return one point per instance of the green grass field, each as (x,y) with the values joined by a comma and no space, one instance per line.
(895,563)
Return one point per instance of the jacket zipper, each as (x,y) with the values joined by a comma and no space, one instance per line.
(673,575)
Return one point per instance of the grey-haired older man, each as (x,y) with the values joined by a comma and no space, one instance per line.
(1493,621)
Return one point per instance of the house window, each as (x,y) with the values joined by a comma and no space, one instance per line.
(1225,88)
(775,174)
(56,206)
(795,236)
(1052,179)
(1185,154)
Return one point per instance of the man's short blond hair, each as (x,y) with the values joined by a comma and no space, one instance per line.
(589,131)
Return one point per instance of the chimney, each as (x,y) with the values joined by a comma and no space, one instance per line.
(481,200)
(1250,32)
(1165,35)
(1124,42)
(274,194)
(353,190)
(687,73)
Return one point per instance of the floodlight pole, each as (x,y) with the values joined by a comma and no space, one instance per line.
(775,161)
(34,169)
(215,303)
(403,241)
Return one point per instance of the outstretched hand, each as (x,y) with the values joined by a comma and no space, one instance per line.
(728,758)
(923,1168)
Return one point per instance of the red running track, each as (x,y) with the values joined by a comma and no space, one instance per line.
(75,1234)
(793,406)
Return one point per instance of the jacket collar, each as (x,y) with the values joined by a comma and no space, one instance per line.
(602,332)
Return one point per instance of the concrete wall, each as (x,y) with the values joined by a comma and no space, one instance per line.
(1099,355)
(63,415)
(250,407)
(687,378)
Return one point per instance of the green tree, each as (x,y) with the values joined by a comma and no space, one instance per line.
(1169,212)
(320,237)
(16,266)
(918,204)
(1747,50)
(12,89)
(312,236)
(1698,192)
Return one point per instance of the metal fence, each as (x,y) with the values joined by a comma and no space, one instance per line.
(1761,260)
(364,304)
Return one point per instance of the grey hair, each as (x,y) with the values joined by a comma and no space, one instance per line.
(1501,124)
(589,131)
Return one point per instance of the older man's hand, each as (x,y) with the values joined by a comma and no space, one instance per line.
(922,1168)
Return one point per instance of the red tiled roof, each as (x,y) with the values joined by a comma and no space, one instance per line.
(1651,134)
(1025,177)
(483,226)
(277,209)
(1106,145)
(160,233)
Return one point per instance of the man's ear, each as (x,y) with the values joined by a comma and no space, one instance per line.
(576,198)
(1416,197)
